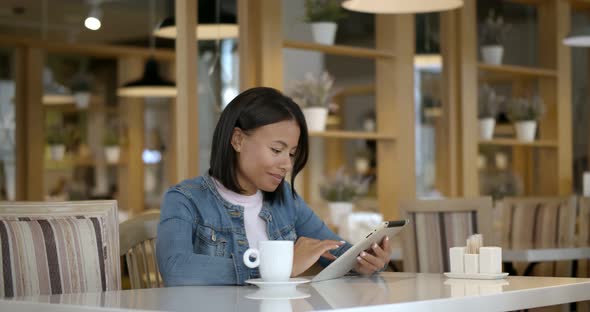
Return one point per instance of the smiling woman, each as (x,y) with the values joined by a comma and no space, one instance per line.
(207,223)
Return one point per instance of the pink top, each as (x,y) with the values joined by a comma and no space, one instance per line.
(255,226)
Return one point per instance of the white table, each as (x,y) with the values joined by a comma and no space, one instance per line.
(384,292)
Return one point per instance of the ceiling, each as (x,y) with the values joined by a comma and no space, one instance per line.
(65,20)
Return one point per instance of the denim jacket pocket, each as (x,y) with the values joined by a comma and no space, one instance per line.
(288,233)
(210,242)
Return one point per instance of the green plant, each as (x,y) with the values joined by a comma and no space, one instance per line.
(343,188)
(55,136)
(493,30)
(110,138)
(313,91)
(488,102)
(323,11)
(523,109)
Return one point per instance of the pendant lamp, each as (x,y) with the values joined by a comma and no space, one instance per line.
(579,37)
(214,23)
(401,6)
(151,84)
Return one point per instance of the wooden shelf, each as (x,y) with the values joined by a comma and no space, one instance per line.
(515,142)
(337,49)
(511,70)
(528,2)
(69,162)
(351,135)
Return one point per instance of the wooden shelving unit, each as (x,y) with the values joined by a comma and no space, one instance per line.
(515,142)
(338,50)
(520,71)
(352,135)
(263,45)
(69,162)
(545,165)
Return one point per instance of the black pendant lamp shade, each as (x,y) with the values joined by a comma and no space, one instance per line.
(151,84)
(211,26)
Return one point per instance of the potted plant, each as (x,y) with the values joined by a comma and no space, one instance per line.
(525,113)
(322,16)
(313,94)
(111,146)
(56,141)
(81,87)
(492,37)
(340,191)
(488,102)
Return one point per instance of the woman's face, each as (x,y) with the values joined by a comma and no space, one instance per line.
(265,155)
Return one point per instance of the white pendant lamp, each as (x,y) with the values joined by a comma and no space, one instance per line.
(401,6)
(579,37)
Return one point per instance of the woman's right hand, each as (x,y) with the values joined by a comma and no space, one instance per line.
(308,251)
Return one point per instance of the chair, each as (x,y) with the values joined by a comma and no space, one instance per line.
(437,225)
(58,247)
(138,236)
(539,222)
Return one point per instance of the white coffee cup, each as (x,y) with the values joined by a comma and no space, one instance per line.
(275,259)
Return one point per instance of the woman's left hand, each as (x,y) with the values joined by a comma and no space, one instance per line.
(374,258)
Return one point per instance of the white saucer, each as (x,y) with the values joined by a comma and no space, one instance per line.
(480,276)
(273,294)
(292,282)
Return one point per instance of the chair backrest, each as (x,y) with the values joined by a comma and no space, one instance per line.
(138,236)
(538,222)
(58,247)
(583,239)
(437,225)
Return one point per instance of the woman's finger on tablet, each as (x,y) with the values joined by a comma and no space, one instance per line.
(328,256)
(364,266)
(379,252)
(375,262)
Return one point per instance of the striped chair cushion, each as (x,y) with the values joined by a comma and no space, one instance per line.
(53,255)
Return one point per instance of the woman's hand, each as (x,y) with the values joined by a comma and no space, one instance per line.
(374,258)
(307,251)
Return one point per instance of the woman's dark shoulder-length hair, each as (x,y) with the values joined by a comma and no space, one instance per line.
(253,108)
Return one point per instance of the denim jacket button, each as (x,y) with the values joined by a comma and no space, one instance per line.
(213,238)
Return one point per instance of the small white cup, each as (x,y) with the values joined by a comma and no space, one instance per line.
(471,263)
(490,260)
(275,259)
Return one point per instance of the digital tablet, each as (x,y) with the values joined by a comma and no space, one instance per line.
(347,260)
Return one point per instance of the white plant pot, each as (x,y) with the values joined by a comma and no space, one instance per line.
(315,117)
(486,128)
(82,99)
(525,130)
(324,32)
(492,54)
(112,153)
(57,152)
(10,178)
(339,211)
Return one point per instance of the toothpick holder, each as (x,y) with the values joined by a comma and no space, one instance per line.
(471,263)
(456,257)
(490,260)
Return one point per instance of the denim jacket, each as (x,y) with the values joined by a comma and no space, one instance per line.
(202,238)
